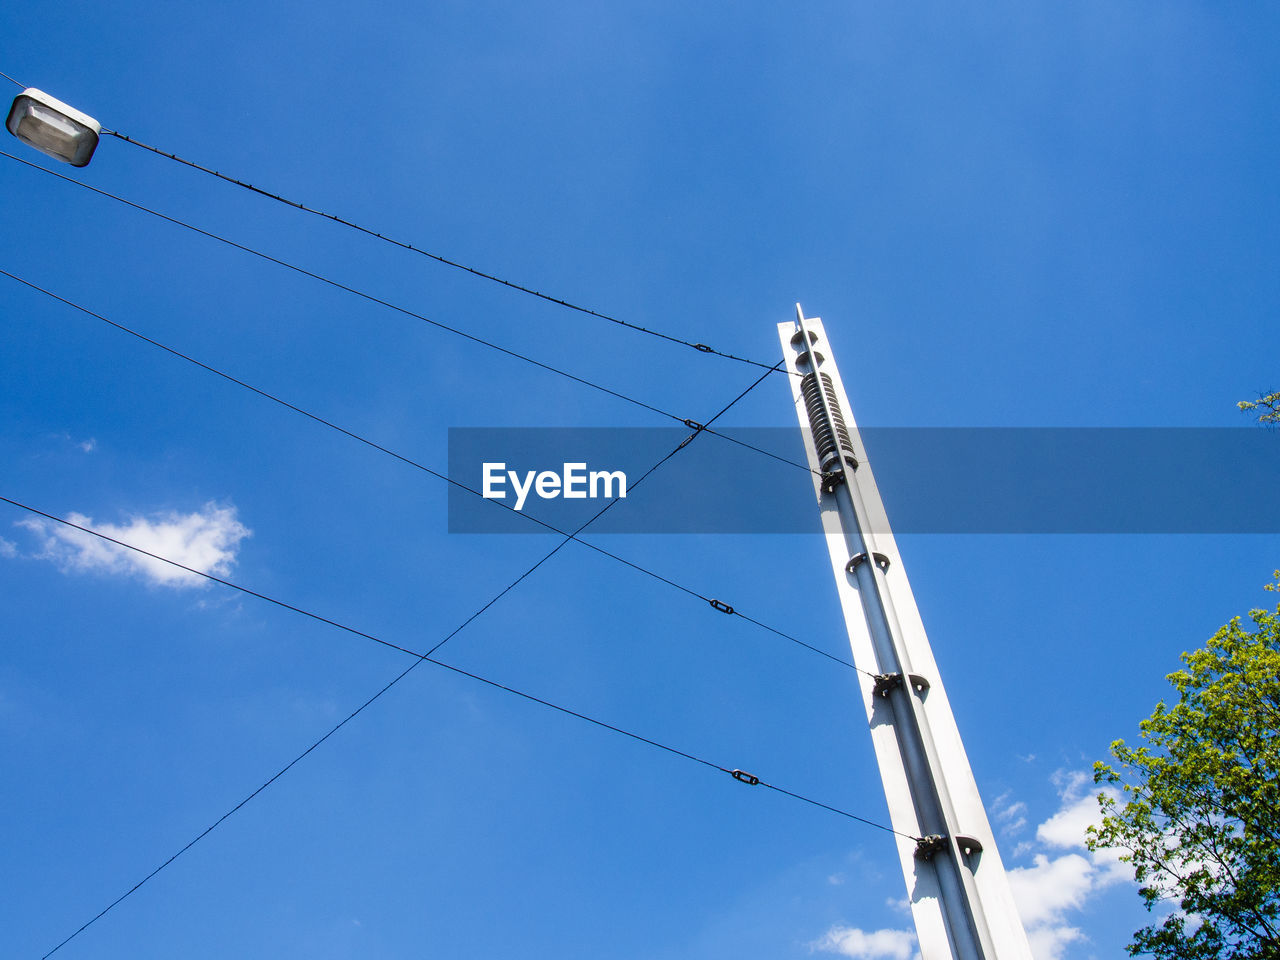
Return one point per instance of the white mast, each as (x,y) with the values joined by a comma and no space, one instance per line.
(956,883)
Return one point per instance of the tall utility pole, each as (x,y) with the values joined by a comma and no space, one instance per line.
(959,894)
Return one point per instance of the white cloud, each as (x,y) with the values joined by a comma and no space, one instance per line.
(1065,830)
(861,945)
(1048,943)
(1044,891)
(1051,887)
(205,540)
(1050,892)
(7,549)
(1010,814)
(88,446)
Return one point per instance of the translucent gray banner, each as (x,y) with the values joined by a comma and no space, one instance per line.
(932,480)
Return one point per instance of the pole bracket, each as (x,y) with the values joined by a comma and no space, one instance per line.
(881,561)
(887,682)
(926,847)
(832,480)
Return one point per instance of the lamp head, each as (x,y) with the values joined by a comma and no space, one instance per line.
(52,127)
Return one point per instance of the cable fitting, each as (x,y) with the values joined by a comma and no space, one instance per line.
(885,683)
(926,847)
(695,425)
(832,480)
(703,347)
(881,561)
(743,777)
(722,607)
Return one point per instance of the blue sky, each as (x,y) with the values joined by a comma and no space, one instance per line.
(1026,215)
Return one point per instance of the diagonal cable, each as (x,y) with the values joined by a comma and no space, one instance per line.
(420,658)
(399,309)
(352,290)
(434,473)
(700,347)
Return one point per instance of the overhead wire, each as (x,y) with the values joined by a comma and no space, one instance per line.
(435,473)
(352,290)
(697,429)
(428,657)
(700,347)
(11,80)
(420,658)
(397,308)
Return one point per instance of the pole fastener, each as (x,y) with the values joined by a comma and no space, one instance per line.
(926,847)
(881,561)
(832,480)
(884,683)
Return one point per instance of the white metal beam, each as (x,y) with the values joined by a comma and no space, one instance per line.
(959,894)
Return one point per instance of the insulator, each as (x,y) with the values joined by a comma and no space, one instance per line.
(829,455)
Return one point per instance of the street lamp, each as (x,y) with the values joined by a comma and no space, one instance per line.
(52,127)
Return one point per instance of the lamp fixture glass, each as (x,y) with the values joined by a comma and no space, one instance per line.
(52,127)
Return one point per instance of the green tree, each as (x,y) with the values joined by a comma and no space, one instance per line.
(1268,407)
(1199,812)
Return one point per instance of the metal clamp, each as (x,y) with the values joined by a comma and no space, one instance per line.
(695,425)
(722,607)
(881,561)
(884,682)
(831,480)
(887,682)
(743,777)
(926,847)
(703,347)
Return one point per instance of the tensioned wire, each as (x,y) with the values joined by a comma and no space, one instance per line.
(700,347)
(399,309)
(484,275)
(428,656)
(428,470)
(697,428)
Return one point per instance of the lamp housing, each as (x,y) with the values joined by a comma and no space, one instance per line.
(53,127)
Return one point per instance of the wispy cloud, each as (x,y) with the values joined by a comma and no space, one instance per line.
(1056,884)
(7,548)
(864,945)
(1010,814)
(206,540)
(85,446)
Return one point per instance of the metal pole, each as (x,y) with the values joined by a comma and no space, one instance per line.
(961,912)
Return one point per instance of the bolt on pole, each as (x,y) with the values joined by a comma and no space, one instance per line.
(956,883)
